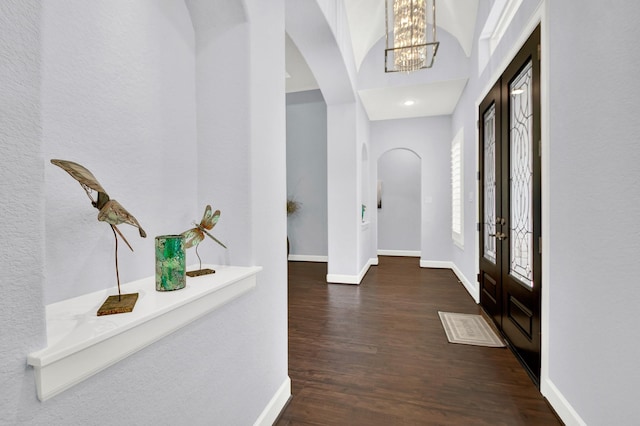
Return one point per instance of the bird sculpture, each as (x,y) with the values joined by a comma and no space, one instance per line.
(113,213)
(109,211)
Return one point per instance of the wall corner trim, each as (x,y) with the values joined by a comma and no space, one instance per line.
(352,279)
(559,403)
(275,406)
(81,344)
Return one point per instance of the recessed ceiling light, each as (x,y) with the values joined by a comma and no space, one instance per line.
(409,102)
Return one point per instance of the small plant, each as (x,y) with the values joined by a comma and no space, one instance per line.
(293,206)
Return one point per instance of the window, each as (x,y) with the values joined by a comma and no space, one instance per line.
(457,210)
(500,16)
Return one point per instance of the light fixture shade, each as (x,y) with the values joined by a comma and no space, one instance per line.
(410,35)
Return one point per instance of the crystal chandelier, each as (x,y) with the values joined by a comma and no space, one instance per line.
(413,47)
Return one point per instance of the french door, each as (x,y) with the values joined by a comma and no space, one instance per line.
(510,269)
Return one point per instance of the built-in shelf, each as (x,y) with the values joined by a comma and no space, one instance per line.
(80,343)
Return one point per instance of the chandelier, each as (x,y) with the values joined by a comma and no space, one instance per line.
(413,46)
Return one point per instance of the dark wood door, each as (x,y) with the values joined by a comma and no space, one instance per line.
(510,269)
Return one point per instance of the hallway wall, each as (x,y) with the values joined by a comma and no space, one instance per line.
(307,173)
(594,238)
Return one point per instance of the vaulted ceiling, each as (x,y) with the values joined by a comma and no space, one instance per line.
(433,91)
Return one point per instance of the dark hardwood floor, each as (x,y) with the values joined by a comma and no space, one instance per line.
(376,354)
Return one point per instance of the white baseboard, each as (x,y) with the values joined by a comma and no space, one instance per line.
(472,289)
(352,279)
(307,258)
(405,253)
(569,416)
(443,264)
(276,405)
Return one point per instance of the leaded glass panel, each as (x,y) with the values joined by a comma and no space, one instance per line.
(521,176)
(489,189)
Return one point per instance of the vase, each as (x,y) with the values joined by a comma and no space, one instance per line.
(170,263)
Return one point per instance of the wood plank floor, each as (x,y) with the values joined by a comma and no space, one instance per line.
(376,354)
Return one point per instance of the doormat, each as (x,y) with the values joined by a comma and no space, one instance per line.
(469,329)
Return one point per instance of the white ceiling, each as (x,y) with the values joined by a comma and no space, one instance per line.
(386,101)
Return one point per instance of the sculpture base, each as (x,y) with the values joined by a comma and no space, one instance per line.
(200,272)
(118,304)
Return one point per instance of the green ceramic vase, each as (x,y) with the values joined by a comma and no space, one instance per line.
(170,263)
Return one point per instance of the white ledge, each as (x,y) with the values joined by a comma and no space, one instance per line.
(80,343)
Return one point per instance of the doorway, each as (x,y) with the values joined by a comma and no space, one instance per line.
(510,205)
(399,212)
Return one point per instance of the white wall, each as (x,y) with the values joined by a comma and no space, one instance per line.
(21,203)
(399,218)
(223,127)
(122,105)
(594,237)
(367,254)
(225,367)
(430,139)
(307,173)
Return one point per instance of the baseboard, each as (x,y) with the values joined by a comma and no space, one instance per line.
(404,253)
(307,258)
(442,264)
(276,405)
(565,411)
(352,279)
(472,289)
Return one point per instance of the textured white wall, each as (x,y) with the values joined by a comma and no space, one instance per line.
(224,126)
(266,319)
(430,139)
(307,172)
(595,206)
(21,204)
(118,96)
(366,184)
(225,367)
(342,199)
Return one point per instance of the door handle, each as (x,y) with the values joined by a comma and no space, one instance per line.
(499,235)
(500,221)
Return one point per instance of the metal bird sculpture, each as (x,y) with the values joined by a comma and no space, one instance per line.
(109,211)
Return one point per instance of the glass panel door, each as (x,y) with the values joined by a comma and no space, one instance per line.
(521,176)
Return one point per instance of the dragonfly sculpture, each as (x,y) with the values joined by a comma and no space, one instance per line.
(194,236)
(111,212)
